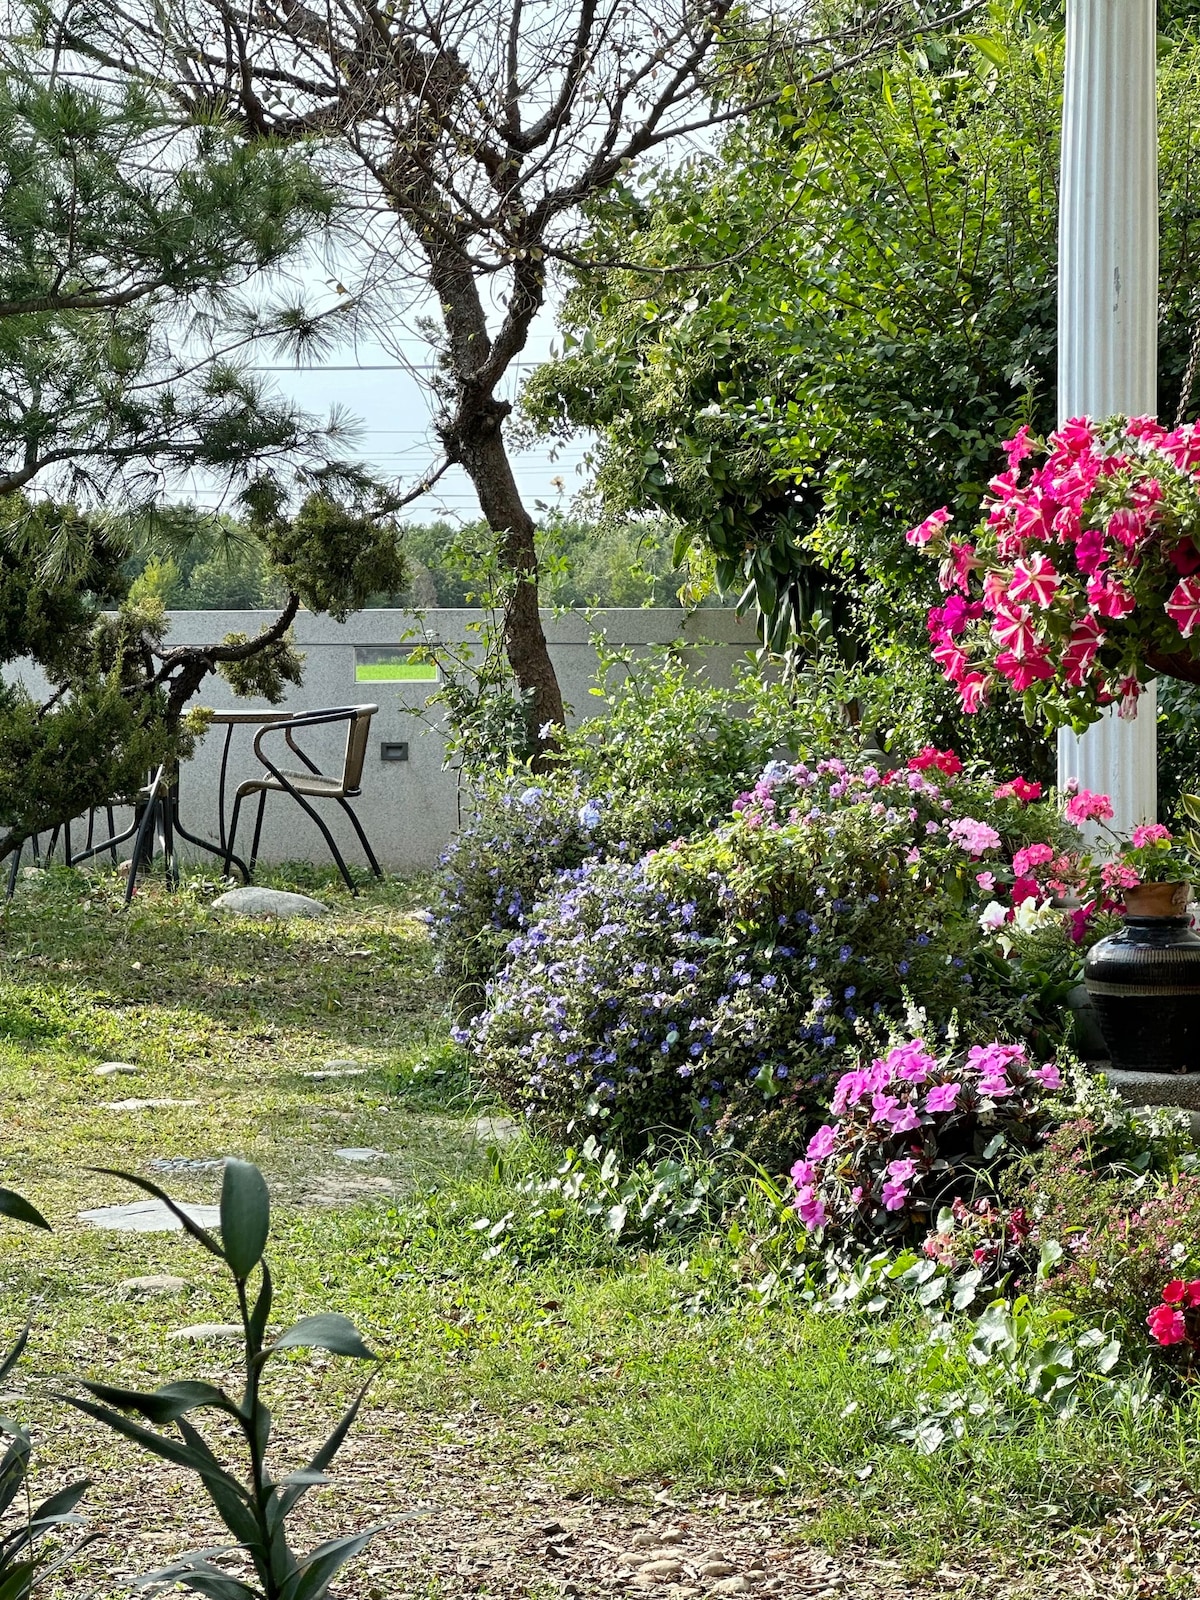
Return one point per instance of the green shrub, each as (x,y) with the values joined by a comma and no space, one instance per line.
(664,760)
(696,988)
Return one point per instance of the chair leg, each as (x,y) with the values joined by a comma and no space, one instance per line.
(139,842)
(112,828)
(258,822)
(362,838)
(170,867)
(329,839)
(231,836)
(67,857)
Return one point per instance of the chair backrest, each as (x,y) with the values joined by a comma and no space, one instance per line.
(357,735)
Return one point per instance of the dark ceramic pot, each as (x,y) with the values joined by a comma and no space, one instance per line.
(1145,983)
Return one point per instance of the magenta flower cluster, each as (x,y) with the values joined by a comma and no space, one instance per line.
(1086,566)
(904,1135)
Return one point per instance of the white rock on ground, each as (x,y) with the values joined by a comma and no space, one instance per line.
(154,1283)
(252,902)
(115,1069)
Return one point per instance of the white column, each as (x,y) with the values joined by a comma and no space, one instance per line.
(1108,306)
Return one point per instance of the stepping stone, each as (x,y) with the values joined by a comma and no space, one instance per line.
(154,1283)
(497,1130)
(208,1332)
(149,1216)
(336,1069)
(145,1105)
(184,1164)
(356,1154)
(115,1069)
(252,902)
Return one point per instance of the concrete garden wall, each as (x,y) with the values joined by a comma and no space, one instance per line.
(408,807)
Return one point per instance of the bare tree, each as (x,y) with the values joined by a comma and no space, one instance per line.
(472,135)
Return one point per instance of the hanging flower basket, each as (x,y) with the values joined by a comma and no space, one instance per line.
(1083,579)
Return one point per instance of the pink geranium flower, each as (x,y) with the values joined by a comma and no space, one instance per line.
(1088,807)
(1150,833)
(1031,855)
(1018,789)
(972,836)
(1166,1326)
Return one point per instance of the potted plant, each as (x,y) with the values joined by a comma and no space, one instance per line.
(1144,980)
(1083,578)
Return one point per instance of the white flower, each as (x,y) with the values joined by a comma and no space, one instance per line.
(1030,915)
(993,917)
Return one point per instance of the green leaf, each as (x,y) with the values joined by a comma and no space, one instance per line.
(245,1216)
(16,1206)
(327,1331)
(233,1502)
(317,1570)
(1108,1357)
(994,50)
(14,1355)
(202,1577)
(261,1314)
(58,1507)
(18,1580)
(201,1462)
(166,1404)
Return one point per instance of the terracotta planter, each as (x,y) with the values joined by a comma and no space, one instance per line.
(1144,983)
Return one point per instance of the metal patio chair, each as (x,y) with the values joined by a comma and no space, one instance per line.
(312,783)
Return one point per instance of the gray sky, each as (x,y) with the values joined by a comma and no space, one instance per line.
(397,438)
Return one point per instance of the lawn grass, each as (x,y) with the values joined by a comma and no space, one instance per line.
(597,1371)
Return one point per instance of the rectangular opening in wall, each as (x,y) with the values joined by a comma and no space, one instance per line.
(391,664)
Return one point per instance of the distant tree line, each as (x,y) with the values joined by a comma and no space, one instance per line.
(222,566)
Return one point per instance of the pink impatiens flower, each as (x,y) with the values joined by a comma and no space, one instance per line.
(821,1143)
(942,1096)
(811,1209)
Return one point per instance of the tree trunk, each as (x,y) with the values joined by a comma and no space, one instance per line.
(479,447)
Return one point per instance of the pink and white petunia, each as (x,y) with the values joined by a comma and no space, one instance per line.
(1034,580)
(1183,607)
